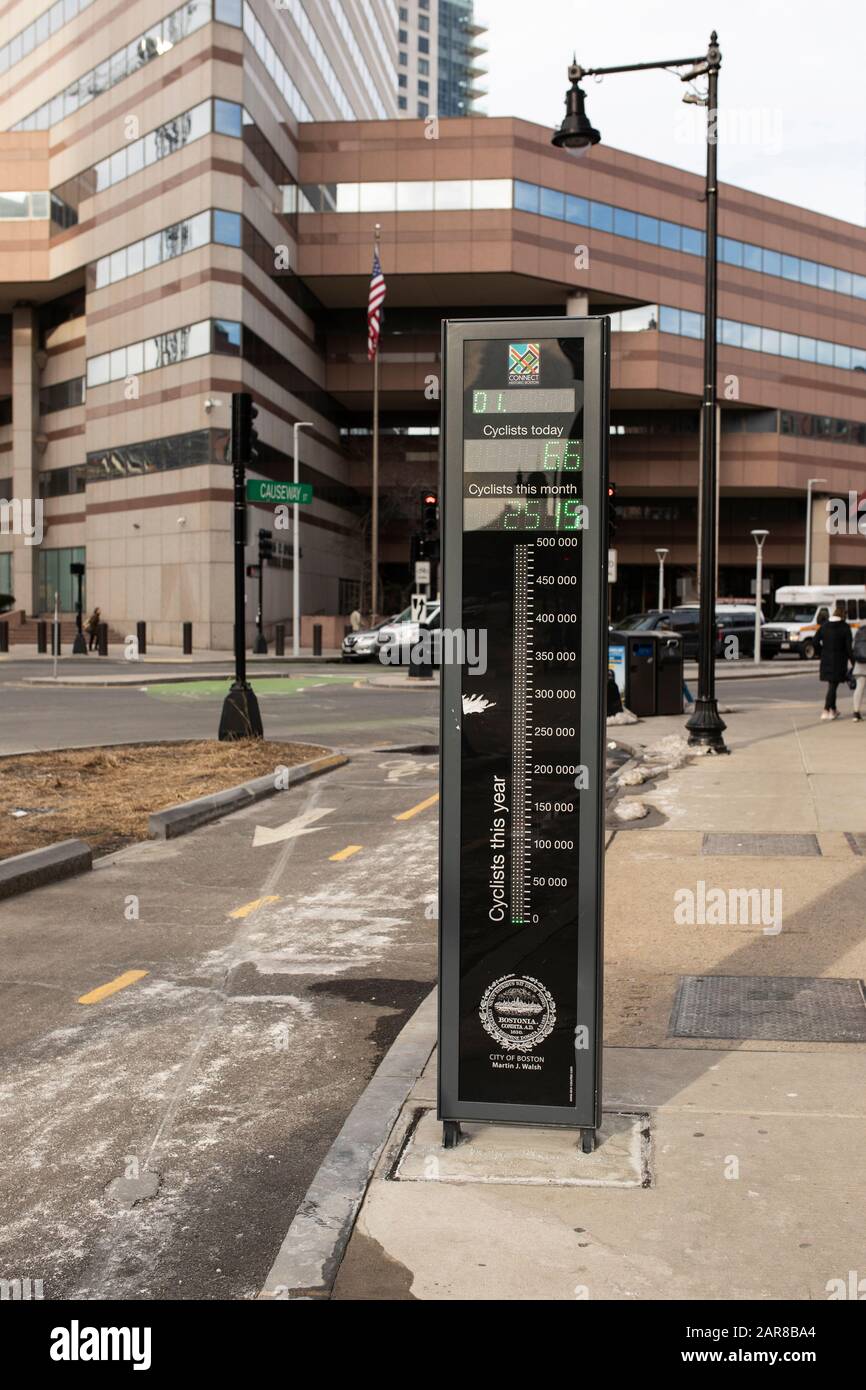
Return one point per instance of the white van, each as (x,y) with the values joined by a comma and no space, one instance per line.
(802,608)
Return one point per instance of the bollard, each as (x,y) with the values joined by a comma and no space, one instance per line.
(102,639)
(417,665)
(42,637)
(280,639)
(4,637)
(55,639)
(141,635)
(317,639)
(187,639)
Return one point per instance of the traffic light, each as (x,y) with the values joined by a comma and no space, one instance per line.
(430,512)
(417,548)
(266,546)
(244,436)
(611,515)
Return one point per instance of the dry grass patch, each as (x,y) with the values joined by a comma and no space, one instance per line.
(105,795)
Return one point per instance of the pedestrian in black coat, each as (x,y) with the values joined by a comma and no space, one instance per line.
(834,646)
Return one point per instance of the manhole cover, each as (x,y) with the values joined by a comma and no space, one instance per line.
(771,846)
(769,1008)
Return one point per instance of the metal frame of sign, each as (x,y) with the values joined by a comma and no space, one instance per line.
(583,1110)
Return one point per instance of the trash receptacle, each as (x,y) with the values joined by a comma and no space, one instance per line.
(653,664)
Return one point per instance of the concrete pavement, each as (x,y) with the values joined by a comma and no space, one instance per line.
(184,1031)
(730,1167)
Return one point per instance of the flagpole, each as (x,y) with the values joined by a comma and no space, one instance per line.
(374,517)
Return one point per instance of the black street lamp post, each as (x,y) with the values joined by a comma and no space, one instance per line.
(577,135)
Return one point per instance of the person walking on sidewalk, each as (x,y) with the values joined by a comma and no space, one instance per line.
(833,643)
(859,669)
(93,628)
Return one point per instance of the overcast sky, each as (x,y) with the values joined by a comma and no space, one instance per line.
(792,90)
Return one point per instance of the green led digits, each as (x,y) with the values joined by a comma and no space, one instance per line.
(564,454)
(526,514)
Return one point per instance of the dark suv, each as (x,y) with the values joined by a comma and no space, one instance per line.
(733,621)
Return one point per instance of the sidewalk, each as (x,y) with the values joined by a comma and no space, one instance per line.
(729,1166)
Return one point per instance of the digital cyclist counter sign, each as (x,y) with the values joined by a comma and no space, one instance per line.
(524,564)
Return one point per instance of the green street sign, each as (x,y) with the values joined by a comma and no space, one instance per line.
(264,490)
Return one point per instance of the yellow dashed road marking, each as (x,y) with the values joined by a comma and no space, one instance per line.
(415,810)
(247,908)
(345,853)
(128,977)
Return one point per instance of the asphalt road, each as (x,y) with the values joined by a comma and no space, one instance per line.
(329,704)
(156,1141)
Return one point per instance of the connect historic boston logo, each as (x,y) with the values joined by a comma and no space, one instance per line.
(524,364)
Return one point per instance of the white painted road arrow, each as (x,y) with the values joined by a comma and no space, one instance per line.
(301,825)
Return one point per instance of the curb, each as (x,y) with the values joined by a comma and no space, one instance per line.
(189,815)
(35,867)
(310,1256)
(134,681)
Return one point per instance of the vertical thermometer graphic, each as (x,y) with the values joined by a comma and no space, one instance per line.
(521,734)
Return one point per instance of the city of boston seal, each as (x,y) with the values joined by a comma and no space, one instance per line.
(518,1012)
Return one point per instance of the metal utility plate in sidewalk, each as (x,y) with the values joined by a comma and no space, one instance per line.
(764,846)
(523,1156)
(768,1008)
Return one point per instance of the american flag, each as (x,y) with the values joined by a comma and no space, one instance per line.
(374,306)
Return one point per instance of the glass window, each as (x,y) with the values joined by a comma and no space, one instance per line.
(14,205)
(858,364)
(226,227)
(669,320)
(526,196)
(826,277)
(414,196)
(842,356)
(751,337)
(118,265)
(226,337)
(117,364)
(402,104)
(404,58)
(772,262)
(691,325)
(452,195)
(229,12)
(424,67)
(100,272)
(770,341)
(135,359)
(402,36)
(692,241)
(808,272)
(378,197)
(825,353)
(100,175)
(751,256)
(669,235)
(552,203)
(601,217)
(423,45)
(152,250)
(791,267)
(491,193)
(732,333)
(117,166)
(199,231)
(577,210)
(731,251)
(402,80)
(228,119)
(808,350)
(198,341)
(40,205)
(349,197)
(97,370)
(858,283)
(152,354)
(423,108)
(135,258)
(790,345)
(624,223)
(844,282)
(648,229)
